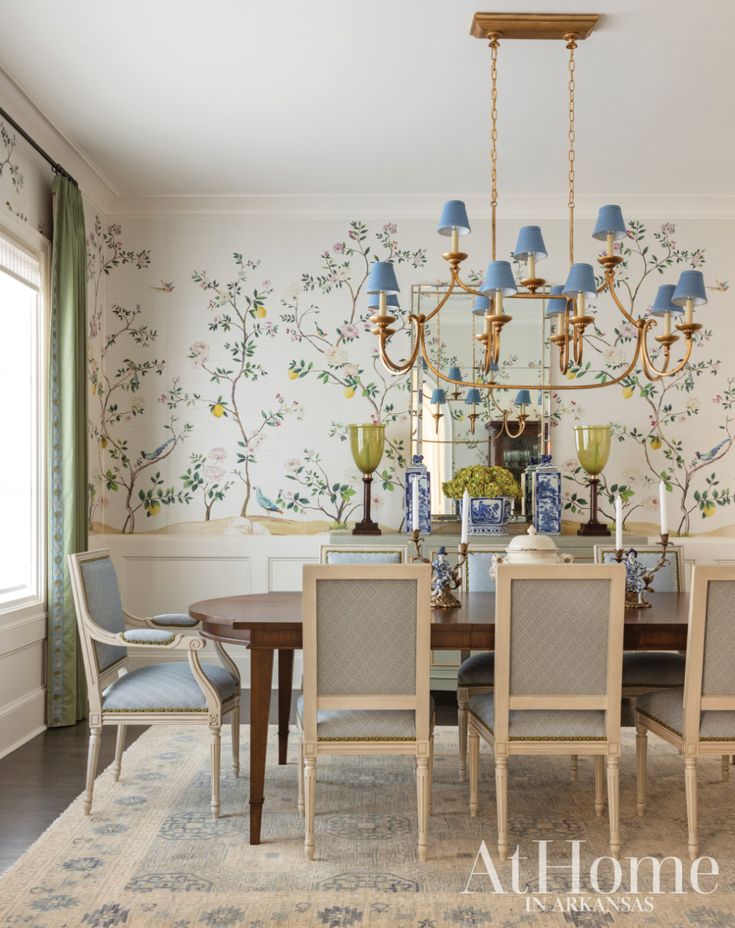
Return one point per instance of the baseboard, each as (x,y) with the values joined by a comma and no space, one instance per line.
(22,719)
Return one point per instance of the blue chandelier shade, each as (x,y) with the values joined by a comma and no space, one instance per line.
(499,277)
(581,279)
(439,397)
(609,221)
(662,304)
(523,398)
(391,300)
(554,307)
(530,242)
(473,396)
(690,287)
(480,306)
(455,373)
(453,216)
(382,278)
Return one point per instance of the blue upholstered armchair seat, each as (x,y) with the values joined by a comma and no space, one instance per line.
(165,688)
(364,724)
(653,668)
(667,708)
(175,620)
(477,670)
(553,725)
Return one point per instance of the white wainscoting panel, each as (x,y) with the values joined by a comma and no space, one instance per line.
(22,678)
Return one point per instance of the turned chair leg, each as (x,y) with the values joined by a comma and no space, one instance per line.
(501,798)
(725,767)
(613,804)
(235,731)
(300,779)
(431,775)
(422,801)
(690,782)
(119,748)
(641,751)
(599,784)
(463,697)
(474,770)
(215,754)
(309,800)
(92,757)
(574,767)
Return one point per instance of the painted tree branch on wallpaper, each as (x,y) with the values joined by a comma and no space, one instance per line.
(118,469)
(333,361)
(241,317)
(670,402)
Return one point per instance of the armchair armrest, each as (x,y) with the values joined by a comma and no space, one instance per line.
(149,636)
(163,620)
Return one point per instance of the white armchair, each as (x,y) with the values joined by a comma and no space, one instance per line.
(172,692)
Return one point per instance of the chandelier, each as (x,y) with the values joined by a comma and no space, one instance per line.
(566,304)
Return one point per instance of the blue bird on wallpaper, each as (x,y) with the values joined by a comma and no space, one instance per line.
(154,455)
(266,503)
(708,455)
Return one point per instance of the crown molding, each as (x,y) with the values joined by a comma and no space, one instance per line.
(97,188)
(420,206)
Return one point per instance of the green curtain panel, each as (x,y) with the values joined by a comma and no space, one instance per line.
(67,475)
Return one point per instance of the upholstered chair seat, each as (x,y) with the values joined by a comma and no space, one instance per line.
(566,725)
(477,670)
(667,708)
(364,724)
(167,687)
(653,669)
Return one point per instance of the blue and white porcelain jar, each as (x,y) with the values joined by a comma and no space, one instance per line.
(417,470)
(547,504)
(488,515)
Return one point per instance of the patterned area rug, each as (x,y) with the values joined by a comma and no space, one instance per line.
(150,855)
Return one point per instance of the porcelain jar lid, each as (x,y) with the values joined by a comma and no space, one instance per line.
(532,541)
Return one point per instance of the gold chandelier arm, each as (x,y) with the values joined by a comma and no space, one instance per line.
(610,281)
(649,368)
(440,305)
(521,426)
(383,337)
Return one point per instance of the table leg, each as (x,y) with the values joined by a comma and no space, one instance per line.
(261,673)
(285,684)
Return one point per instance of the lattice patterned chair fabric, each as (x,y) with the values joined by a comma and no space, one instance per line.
(361,554)
(698,718)
(174,691)
(366,673)
(558,660)
(475,674)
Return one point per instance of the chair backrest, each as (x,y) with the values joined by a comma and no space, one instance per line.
(669,579)
(709,681)
(367,640)
(97,602)
(477,577)
(362,554)
(559,640)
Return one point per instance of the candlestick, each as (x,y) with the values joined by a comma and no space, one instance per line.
(465,517)
(415,505)
(618,523)
(662,508)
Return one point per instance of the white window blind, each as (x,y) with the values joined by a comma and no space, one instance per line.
(19,263)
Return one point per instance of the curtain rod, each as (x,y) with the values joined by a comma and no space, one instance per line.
(55,166)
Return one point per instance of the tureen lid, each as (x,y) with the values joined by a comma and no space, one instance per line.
(532,541)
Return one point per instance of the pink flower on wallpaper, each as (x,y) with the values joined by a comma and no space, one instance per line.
(213,473)
(390,228)
(200,353)
(218,454)
(668,229)
(349,330)
(338,248)
(717,398)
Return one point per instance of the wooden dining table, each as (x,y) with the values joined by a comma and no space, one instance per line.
(269,622)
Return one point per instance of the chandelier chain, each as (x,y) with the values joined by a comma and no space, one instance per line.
(494,46)
(571,45)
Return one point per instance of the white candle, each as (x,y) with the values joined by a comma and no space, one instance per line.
(531,265)
(382,303)
(455,241)
(689,311)
(415,504)
(662,507)
(618,523)
(610,245)
(498,302)
(581,303)
(465,517)
(667,323)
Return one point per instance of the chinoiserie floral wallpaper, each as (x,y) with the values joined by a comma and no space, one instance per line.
(228,353)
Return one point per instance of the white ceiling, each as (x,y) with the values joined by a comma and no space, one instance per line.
(180,97)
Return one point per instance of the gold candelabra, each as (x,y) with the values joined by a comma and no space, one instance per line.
(442,587)
(638,578)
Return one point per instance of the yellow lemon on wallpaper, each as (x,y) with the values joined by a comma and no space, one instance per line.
(261,312)
(709,510)
(628,392)
(571,375)
(292,375)
(103,441)
(349,392)
(218,410)
(154,508)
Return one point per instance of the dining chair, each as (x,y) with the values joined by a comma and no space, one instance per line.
(475,674)
(362,554)
(698,718)
(366,640)
(173,692)
(558,660)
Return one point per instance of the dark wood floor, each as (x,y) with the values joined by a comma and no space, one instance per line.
(41,778)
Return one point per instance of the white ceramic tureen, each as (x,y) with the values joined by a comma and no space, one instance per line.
(530,548)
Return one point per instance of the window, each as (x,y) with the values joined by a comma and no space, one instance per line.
(22,462)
